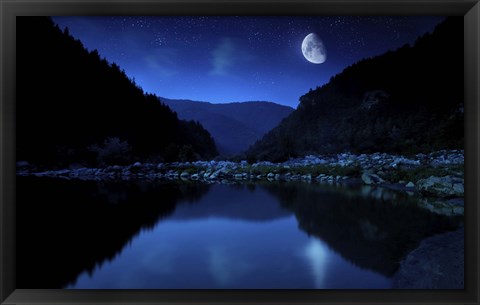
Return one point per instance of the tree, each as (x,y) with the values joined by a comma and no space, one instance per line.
(113,151)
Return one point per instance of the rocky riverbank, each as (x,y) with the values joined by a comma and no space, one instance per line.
(438,174)
(437,263)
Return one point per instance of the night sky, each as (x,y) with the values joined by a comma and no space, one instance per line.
(236,59)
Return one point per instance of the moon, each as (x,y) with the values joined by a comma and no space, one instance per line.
(313,49)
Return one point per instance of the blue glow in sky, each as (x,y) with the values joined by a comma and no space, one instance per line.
(224,59)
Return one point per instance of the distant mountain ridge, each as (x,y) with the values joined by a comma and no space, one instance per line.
(234,126)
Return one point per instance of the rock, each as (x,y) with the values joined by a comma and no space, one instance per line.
(136,167)
(410,184)
(277,177)
(458,188)
(271,176)
(438,263)
(441,186)
(218,173)
(307,177)
(370,179)
(194,177)
(238,176)
(184,175)
(117,168)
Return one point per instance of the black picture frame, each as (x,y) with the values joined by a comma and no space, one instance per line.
(9,9)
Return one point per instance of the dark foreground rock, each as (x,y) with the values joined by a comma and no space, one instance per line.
(438,263)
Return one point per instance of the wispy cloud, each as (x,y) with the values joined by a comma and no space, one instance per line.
(227,54)
(162,62)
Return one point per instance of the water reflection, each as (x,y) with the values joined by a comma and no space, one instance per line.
(371,227)
(157,235)
(66,227)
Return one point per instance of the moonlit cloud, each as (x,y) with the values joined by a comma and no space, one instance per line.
(228,54)
(223,56)
(162,62)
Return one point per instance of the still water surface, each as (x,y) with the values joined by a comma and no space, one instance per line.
(233,236)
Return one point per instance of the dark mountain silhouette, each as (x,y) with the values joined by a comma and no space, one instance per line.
(361,228)
(75,107)
(234,126)
(68,227)
(404,101)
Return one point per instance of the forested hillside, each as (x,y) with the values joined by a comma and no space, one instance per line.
(404,101)
(74,107)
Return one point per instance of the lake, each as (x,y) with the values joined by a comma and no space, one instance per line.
(167,235)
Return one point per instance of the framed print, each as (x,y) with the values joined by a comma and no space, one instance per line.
(239,152)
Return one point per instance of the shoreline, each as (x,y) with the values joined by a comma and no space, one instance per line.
(390,171)
(436,178)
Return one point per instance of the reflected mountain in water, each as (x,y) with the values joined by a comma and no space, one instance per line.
(98,219)
(369,227)
(237,202)
(373,228)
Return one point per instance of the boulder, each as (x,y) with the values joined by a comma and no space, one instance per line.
(369,179)
(117,168)
(136,167)
(441,186)
(458,188)
(437,263)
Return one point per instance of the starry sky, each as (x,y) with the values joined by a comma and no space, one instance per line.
(223,59)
